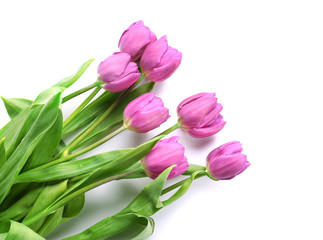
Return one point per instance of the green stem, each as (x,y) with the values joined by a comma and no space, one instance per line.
(75,194)
(82,151)
(82,90)
(83,104)
(169,130)
(81,137)
(180,183)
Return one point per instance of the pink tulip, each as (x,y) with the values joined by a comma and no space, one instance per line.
(166,153)
(199,115)
(145,113)
(227,161)
(118,72)
(159,61)
(135,39)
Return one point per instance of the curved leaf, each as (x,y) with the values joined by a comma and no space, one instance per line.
(12,230)
(18,158)
(73,208)
(2,153)
(49,194)
(70,169)
(51,222)
(15,105)
(19,209)
(125,226)
(67,82)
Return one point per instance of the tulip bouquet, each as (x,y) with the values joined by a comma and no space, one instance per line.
(43,179)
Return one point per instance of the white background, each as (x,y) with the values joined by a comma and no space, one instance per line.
(262,58)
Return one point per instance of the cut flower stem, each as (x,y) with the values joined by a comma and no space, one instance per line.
(79,92)
(91,127)
(83,104)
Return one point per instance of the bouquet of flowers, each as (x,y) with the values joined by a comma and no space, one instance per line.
(43,179)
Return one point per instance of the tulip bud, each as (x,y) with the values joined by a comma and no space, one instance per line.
(118,72)
(166,153)
(159,61)
(227,161)
(145,113)
(199,115)
(135,39)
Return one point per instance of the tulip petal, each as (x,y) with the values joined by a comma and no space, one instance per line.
(137,104)
(192,114)
(153,54)
(165,71)
(113,67)
(135,39)
(123,83)
(206,131)
(193,98)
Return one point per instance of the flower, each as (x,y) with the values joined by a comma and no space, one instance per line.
(135,39)
(199,115)
(166,153)
(227,161)
(118,72)
(159,61)
(145,113)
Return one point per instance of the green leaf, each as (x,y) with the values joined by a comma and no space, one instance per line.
(133,222)
(18,158)
(67,82)
(147,202)
(48,195)
(12,230)
(15,105)
(17,191)
(117,166)
(123,162)
(13,131)
(44,151)
(117,227)
(51,222)
(70,169)
(2,153)
(73,208)
(22,206)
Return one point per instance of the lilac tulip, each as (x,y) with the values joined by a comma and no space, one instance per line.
(227,161)
(118,72)
(166,153)
(145,113)
(200,116)
(159,61)
(135,39)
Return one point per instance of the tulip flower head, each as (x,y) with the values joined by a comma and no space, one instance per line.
(135,39)
(159,61)
(227,161)
(145,113)
(166,153)
(118,72)
(200,116)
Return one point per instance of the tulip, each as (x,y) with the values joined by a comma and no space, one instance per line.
(145,113)
(135,39)
(118,72)
(159,61)
(227,161)
(200,116)
(166,153)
